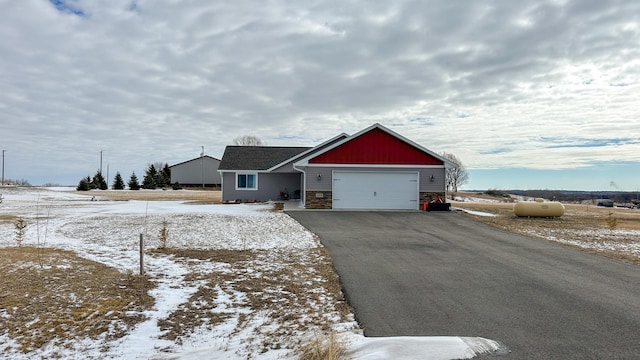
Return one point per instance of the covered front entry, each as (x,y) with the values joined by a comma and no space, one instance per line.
(392,190)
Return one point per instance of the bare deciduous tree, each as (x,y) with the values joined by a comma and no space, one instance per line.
(455,176)
(248,140)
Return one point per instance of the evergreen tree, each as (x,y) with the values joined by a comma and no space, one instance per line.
(99,181)
(166,174)
(161,180)
(133,182)
(90,182)
(150,178)
(83,185)
(118,183)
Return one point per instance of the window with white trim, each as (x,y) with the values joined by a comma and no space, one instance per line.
(246,181)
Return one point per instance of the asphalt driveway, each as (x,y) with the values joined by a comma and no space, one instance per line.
(429,274)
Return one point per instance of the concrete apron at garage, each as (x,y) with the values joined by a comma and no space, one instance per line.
(296,205)
(444,274)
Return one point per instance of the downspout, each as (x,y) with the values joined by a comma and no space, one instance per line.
(221,185)
(303,192)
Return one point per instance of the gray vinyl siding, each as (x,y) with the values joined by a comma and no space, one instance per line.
(269,186)
(324,184)
(325,179)
(439,180)
(191,172)
(286,168)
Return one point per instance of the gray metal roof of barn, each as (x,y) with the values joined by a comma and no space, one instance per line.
(257,157)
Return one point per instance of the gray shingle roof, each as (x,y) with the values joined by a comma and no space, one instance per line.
(194,159)
(256,157)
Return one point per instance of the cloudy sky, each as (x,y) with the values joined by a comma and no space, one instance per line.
(528,94)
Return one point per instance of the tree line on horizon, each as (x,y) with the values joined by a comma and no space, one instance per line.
(156,176)
(618,196)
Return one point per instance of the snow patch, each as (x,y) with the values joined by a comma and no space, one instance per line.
(108,232)
(474,212)
(415,348)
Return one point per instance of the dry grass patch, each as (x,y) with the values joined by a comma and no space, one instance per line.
(289,294)
(328,347)
(8,218)
(52,296)
(587,227)
(191,196)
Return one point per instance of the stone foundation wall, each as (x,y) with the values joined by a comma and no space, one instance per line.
(324,199)
(318,200)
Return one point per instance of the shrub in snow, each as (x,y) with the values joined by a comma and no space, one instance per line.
(612,222)
(164,234)
(83,185)
(20,226)
(328,347)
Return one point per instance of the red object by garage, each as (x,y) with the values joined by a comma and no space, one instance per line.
(376,147)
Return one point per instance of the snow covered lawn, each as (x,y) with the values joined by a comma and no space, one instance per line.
(234,282)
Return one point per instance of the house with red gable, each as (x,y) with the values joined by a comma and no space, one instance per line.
(374,169)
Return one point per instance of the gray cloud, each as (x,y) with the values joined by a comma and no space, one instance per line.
(152,81)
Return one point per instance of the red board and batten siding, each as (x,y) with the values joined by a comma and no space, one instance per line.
(376,147)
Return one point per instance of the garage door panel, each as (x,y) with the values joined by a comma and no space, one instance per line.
(375,190)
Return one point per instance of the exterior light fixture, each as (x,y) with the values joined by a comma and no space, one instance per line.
(432,178)
(319,177)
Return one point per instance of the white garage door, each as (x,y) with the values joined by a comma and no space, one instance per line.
(375,190)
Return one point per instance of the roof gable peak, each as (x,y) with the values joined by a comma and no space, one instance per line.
(376,144)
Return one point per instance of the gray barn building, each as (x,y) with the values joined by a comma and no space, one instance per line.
(198,171)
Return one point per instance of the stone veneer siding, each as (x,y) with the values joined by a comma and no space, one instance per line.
(312,201)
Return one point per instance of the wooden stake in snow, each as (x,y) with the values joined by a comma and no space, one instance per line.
(141,254)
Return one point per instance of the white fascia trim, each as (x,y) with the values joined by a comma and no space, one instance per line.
(244,171)
(305,161)
(303,154)
(377,166)
(375,172)
(416,145)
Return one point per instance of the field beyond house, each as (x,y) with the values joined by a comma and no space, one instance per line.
(193,195)
(612,232)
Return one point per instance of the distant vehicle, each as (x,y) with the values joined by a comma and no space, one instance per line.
(605,202)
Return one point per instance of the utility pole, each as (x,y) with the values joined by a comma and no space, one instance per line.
(2,183)
(101,161)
